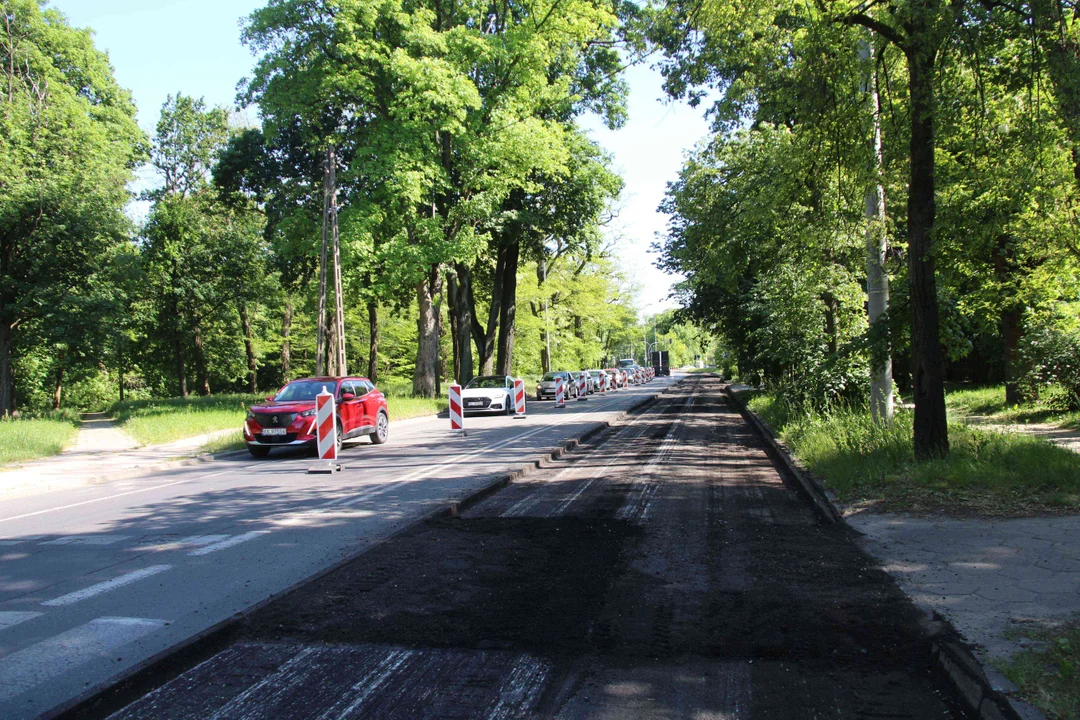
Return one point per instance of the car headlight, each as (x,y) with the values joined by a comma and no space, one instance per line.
(250,415)
(309,413)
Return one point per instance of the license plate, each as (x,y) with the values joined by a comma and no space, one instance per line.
(473,403)
(274,431)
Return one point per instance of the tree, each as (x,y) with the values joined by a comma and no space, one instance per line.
(68,145)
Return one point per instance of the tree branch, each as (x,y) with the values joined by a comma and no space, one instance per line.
(886,31)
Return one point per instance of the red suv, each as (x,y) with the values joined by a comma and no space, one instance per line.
(288,418)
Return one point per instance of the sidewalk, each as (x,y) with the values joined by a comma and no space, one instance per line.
(101,452)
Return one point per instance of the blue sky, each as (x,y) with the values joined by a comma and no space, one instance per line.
(158,47)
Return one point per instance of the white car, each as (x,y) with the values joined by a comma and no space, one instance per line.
(489,393)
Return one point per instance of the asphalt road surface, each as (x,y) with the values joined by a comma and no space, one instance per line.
(96,580)
(665,571)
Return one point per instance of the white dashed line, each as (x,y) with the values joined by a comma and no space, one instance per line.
(98,639)
(11,618)
(235,540)
(103,587)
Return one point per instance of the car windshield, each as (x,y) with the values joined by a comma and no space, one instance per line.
(553,376)
(626,363)
(304,390)
(596,373)
(488,381)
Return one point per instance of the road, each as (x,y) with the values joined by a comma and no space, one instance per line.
(97,579)
(666,571)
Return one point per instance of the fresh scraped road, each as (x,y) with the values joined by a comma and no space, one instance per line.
(97,579)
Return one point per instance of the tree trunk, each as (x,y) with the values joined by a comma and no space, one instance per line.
(120,366)
(178,349)
(485,337)
(331,351)
(831,306)
(451,314)
(7,380)
(1062,51)
(877,279)
(931,436)
(58,387)
(373,341)
(200,364)
(464,322)
(286,330)
(508,311)
(426,338)
(249,348)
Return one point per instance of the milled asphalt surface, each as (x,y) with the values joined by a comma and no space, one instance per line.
(97,578)
(665,571)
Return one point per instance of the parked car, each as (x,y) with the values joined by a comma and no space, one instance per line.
(489,393)
(288,418)
(597,376)
(546,387)
(618,377)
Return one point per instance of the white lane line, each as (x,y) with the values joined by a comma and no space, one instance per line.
(102,587)
(10,618)
(87,540)
(200,540)
(25,669)
(231,542)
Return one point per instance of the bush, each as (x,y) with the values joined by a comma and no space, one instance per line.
(1052,354)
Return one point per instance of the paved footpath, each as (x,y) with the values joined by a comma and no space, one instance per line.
(982,575)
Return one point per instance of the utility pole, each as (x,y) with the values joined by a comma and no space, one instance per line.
(339,300)
(320,323)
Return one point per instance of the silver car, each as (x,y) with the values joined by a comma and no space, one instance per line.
(545,389)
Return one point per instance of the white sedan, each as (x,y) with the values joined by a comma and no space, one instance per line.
(489,393)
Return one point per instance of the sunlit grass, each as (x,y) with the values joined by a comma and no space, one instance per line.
(986,473)
(34,438)
(989,402)
(152,422)
(1048,675)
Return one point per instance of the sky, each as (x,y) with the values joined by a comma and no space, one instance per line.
(162,47)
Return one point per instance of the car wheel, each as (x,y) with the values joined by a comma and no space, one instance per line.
(382,429)
(340,438)
(258,451)
(509,405)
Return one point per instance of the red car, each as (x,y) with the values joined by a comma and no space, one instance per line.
(288,418)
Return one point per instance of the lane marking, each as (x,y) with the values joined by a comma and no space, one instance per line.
(199,540)
(98,639)
(102,587)
(231,542)
(11,618)
(100,499)
(87,540)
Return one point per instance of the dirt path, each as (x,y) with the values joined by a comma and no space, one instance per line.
(665,572)
(1065,437)
(99,433)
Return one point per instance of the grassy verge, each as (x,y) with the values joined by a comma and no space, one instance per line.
(35,438)
(987,473)
(989,402)
(1049,675)
(401,408)
(152,422)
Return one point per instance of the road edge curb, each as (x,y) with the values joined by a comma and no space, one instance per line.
(949,655)
(104,700)
(809,486)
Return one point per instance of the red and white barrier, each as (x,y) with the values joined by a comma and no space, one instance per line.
(519,398)
(457,422)
(582,387)
(326,433)
(560,392)
(603,384)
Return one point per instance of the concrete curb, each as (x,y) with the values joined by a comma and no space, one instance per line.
(104,700)
(949,654)
(808,486)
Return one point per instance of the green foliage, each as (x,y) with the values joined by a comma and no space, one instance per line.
(28,439)
(1048,674)
(152,422)
(987,472)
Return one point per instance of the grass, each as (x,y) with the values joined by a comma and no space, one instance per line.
(152,422)
(1048,674)
(401,408)
(35,438)
(989,402)
(987,473)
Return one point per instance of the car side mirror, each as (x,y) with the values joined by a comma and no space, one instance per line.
(348,396)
